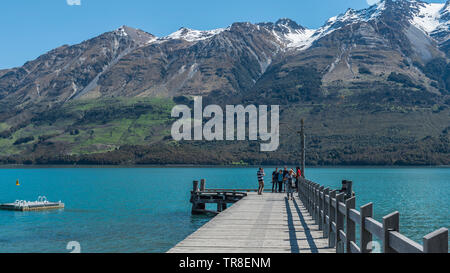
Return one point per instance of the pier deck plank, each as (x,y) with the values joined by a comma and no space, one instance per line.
(258,224)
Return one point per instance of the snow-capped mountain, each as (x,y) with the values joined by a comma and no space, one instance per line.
(428,17)
(351,49)
(431,18)
(138,36)
(289,33)
(192,35)
(67,72)
(350,17)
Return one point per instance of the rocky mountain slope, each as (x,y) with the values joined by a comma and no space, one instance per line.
(392,57)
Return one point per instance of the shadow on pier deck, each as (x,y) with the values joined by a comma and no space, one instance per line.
(265,223)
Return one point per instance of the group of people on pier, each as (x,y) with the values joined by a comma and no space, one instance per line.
(282,181)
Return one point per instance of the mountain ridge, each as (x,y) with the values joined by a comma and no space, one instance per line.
(287,34)
(392,57)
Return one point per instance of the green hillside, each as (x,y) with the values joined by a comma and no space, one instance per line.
(137,131)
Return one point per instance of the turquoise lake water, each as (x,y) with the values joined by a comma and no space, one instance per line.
(148,209)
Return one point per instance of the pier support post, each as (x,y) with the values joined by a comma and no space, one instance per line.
(195,186)
(313,198)
(326,195)
(313,188)
(221,206)
(316,204)
(332,216)
(196,205)
(339,223)
(321,189)
(436,242)
(310,198)
(391,222)
(308,191)
(350,226)
(349,189)
(314,201)
(366,236)
(202,185)
(303,143)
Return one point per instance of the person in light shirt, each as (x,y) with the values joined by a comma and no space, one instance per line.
(289,180)
(260,175)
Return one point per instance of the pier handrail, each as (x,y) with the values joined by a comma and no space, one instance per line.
(338,217)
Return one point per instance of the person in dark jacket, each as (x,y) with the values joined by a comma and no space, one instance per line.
(280,181)
(274,180)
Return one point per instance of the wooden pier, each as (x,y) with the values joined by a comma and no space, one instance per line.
(318,220)
(267,223)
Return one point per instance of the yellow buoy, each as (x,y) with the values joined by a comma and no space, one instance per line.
(17,183)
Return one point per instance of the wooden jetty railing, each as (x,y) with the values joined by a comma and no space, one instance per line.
(334,212)
(200,196)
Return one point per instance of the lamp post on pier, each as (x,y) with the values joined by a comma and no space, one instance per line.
(302,144)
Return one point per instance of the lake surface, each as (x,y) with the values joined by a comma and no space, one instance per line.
(148,209)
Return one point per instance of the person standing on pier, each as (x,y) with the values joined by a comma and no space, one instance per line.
(260,175)
(274,180)
(289,180)
(285,173)
(280,181)
(298,175)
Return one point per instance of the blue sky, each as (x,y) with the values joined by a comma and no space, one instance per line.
(33,27)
